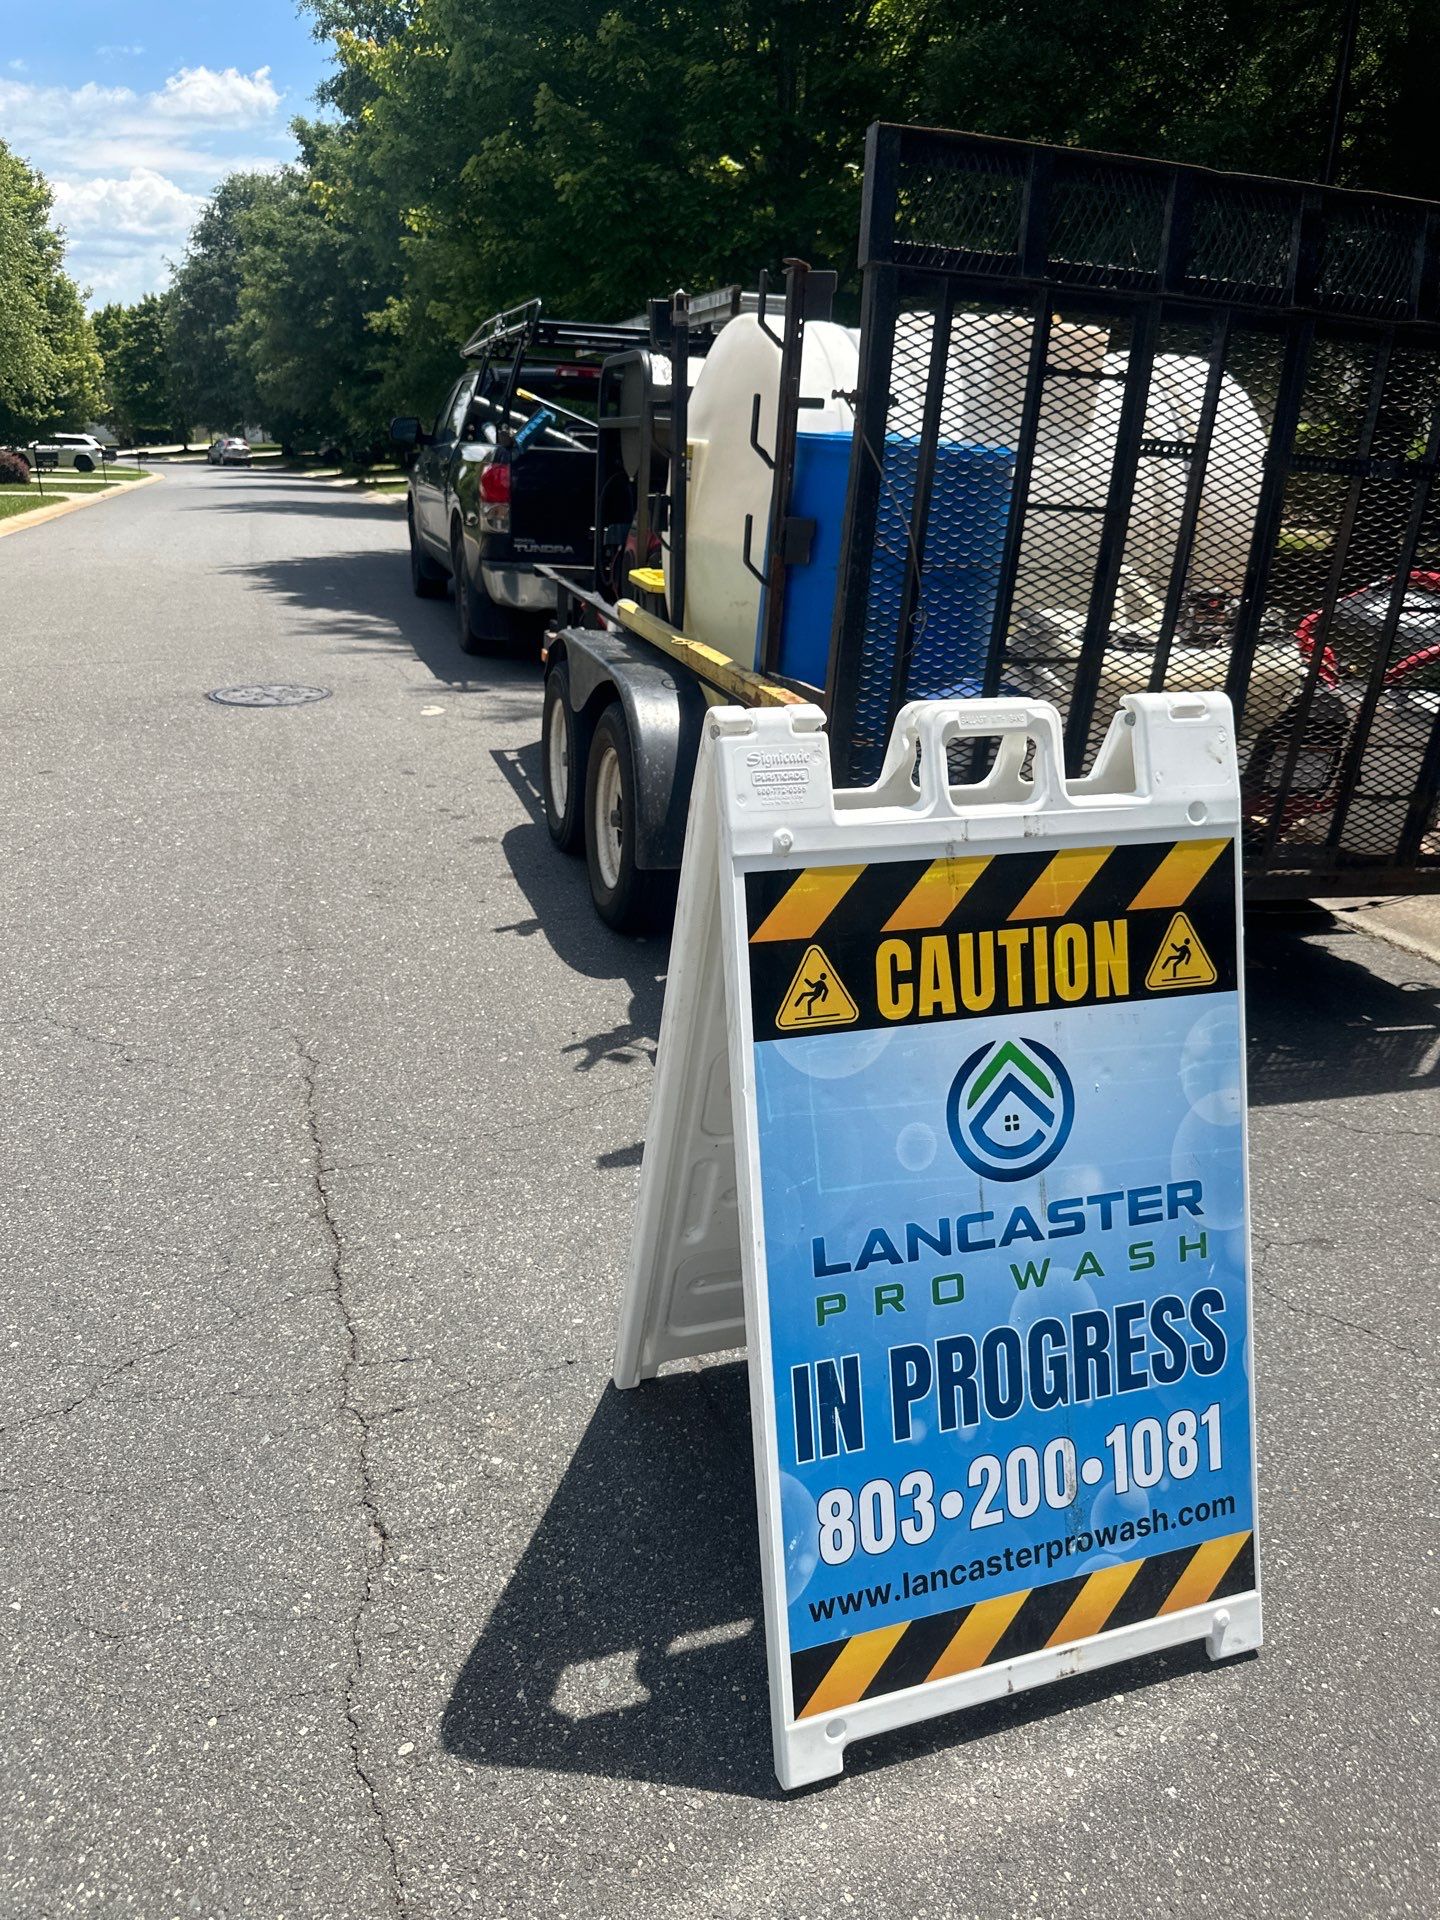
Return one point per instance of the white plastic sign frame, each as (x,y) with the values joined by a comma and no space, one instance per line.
(890,1360)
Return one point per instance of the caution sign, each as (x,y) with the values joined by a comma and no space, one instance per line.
(816,997)
(948,1132)
(1181,961)
(956,939)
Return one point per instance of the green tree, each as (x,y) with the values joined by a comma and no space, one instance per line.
(1242,84)
(109,324)
(210,376)
(302,325)
(50,368)
(138,387)
(597,152)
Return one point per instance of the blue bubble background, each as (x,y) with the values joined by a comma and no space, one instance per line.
(853,1137)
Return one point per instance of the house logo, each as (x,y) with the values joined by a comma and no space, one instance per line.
(1010,1109)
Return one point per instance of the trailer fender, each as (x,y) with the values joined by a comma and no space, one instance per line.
(664,708)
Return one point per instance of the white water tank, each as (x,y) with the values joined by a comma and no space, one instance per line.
(728,479)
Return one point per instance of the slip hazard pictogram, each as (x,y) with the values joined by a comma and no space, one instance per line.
(1181,959)
(816,997)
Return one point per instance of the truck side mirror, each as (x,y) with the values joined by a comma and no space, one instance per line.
(406,431)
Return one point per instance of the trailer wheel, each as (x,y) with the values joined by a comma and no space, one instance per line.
(562,763)
(628,898)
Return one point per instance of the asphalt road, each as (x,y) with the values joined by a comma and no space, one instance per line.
(336,1580)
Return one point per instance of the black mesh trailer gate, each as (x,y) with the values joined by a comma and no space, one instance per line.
(1123,425)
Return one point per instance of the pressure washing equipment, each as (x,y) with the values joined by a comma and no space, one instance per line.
(734,405)
(1107,426)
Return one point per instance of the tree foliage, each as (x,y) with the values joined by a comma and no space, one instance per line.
(139,395)
(598,152)
(209,371)
(50,369)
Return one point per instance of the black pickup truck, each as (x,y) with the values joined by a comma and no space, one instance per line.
(504,481)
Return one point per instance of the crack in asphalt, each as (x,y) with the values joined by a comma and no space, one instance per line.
(120,1047)
(377,1546)
(1363,1132)
(97,1386)
(1264,1247)
(237,1315)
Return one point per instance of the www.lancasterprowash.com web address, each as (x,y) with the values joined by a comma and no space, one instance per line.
(1045,1555)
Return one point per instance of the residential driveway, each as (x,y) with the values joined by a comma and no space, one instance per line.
(337,1581)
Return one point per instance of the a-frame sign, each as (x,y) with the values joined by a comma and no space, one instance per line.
(948,1132)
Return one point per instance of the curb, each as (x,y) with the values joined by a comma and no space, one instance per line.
(22,521)
(339,484)
(1395,922)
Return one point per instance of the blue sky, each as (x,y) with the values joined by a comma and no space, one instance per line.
(134,109)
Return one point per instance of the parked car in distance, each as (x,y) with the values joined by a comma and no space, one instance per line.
(228,451)
(82,451)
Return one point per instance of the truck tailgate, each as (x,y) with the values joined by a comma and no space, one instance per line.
(552,504)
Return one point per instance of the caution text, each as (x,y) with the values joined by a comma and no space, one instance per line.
(934,976)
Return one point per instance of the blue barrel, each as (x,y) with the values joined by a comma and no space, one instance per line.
(822,468)
(964,543)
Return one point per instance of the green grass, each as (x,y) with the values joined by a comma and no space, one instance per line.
(111,477)
(24,500)
(64,479)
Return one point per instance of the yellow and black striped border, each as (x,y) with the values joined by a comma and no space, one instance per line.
(1075,883)
(964,1639)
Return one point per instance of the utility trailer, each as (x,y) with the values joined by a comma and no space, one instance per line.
(1107,425)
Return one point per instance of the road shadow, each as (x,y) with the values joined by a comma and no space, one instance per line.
(337,506)
(561,914)
(628,1642)
(1324,1023)
(360,601)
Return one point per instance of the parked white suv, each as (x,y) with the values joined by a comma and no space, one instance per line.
(78,450)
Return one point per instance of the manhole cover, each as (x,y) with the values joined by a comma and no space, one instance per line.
(270,694)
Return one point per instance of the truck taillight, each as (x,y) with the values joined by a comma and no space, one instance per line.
(495,496)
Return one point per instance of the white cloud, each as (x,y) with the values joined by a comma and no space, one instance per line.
(131,170)
(228,98)
(144,203)
(109,53)
(31,112)
(181,128)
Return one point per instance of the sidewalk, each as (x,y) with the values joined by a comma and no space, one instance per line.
(1411,920)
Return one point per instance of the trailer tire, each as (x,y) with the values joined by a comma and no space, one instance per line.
(628,898)
(562,763)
